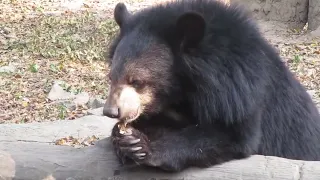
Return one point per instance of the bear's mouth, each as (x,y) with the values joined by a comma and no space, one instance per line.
(132,116)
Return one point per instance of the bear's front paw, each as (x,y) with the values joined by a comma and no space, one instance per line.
(131,144)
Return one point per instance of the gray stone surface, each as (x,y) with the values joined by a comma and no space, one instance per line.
(81,98)
(291,12)
(314,15)
(27,154)
(8,69)
(96,103)
(47,132)
(35,161)
(315,33)
(7,165)
(315,97)
(97,111)
(57,93)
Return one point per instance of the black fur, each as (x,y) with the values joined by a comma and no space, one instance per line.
(235,94)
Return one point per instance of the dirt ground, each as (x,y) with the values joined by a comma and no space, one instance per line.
(46,41)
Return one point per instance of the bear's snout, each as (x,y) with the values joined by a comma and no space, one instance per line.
(111,111)
(122,103)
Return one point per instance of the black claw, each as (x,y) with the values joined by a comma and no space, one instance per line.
(133,145)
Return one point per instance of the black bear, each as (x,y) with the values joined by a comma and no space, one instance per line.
(199,85)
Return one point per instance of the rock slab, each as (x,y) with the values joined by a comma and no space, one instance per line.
(35,161)
(291,12)
(26,153)
(314,15)
(48,132)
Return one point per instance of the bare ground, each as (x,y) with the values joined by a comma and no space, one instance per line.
(45,41)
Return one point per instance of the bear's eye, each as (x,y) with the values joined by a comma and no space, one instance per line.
(138,84)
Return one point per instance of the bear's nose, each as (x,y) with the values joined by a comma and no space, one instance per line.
(111,112)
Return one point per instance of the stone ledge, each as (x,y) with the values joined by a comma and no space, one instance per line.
(47,132)
(36,159)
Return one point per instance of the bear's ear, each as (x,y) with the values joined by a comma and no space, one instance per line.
(121,14)
(190,29)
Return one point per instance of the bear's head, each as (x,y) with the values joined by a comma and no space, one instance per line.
(145,60)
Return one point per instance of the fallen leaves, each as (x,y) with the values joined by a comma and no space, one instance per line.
(76,142)
(305,62)
(42,49)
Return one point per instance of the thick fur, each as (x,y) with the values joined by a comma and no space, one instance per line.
(233,94)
